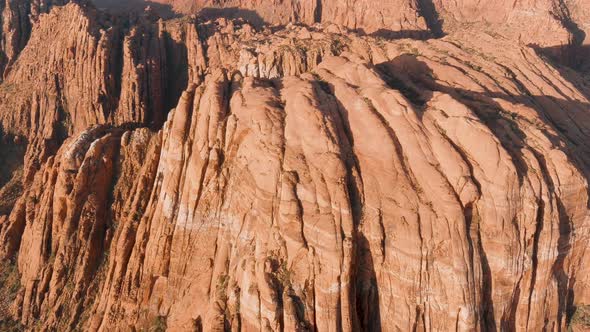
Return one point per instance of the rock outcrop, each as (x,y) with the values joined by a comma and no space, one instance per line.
(307,178)
(556,28)
(546,22)
(18,17)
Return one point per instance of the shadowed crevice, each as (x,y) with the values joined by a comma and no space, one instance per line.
(562,13)
(250,16)
(574,54)
(427,10)
(409,72)
(397,34)
(125,6)
(317,15)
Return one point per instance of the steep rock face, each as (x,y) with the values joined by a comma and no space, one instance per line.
(398,16)
(100,72)
(94,74)
(17,20)
(546,22)
(558,28)
(308,178)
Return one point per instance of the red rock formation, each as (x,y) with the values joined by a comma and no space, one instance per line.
(398,16)
(538,21)
(308,178)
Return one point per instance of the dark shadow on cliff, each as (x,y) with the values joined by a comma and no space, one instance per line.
(399,34)
(572,62)
(434,26)
(12,153)
(561,12)
(416,80)
(574,55)
(250,16)
(367,290)
(126,6)
(427,9)
(177,75)
(363,280)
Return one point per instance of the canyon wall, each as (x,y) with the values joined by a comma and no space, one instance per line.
(195,174)
(547,22)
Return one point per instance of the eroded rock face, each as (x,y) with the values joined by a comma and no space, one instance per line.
(308,178)
(401,16)
(547,22)
(556,28)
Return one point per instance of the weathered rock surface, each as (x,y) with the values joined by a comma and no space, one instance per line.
(308,178)
(556,28)
(547,22)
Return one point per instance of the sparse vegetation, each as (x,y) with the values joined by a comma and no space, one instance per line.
(325,86)
(222,283)
(9,286)
(159,324)
(284,274)
(409,49)
(369,103)
(9,278)
(138,214)
(11,191)
(10,325)
(474,66)
(338,46)
(64,125)
(414,51)
(580,317)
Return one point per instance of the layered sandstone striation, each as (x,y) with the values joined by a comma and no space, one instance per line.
(546,22)
(556,28)
(307,178)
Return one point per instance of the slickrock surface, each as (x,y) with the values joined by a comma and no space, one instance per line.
(305,178)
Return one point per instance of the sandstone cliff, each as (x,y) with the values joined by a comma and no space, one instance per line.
(557,28)
(307,178)
(548,22)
